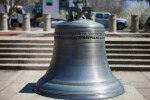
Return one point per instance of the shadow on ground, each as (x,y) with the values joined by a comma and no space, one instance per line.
(28,88)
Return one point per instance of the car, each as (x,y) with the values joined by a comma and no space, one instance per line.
(103,18)
(148,22)
(54,22)
(17,17)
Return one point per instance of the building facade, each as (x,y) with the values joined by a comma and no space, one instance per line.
(56,7)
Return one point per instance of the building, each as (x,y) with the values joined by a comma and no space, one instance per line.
(57,7)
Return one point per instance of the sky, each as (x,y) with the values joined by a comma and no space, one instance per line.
(136,3)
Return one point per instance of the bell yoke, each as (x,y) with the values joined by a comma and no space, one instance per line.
(79,68)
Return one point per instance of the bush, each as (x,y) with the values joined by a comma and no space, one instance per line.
(62,14)
(143,18)
(38,20)
(141,10)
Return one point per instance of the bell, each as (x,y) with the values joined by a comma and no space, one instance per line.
(79,68)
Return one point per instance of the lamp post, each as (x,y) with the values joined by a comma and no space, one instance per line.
(84,3)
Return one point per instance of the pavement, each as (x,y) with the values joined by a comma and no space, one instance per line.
(33,32)
(13,83)
(17,85)
(38,32)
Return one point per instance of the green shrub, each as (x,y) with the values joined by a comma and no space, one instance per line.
(141,10)
(62,14)
(39,19)
(143,18)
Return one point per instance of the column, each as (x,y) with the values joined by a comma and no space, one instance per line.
(0,21)
(134,23)
(47,22)
(26,22)
(4,22)
(112,23)
(67,16)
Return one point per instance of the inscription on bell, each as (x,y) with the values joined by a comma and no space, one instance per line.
(79,35)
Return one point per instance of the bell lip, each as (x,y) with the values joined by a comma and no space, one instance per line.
(119,89)
(77,97)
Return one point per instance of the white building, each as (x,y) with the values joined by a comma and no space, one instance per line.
(2,10)
(53,7)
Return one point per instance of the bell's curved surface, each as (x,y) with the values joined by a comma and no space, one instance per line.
(79,67)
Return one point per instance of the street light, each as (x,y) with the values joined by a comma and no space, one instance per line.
(84,3)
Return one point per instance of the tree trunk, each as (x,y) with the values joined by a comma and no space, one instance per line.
(9,22)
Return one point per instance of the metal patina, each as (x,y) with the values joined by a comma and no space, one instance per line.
(79,68)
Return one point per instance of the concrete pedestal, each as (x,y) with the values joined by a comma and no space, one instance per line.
(0,21)
(67,16)
(92,17)
(134,23)
(112,23)
(26,22)
(4,22)
(130,94)
(47,24)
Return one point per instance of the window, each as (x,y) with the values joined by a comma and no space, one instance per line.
(19,11)
(99,15)
(63,6)
(49,2)
(77,1)
(38,7)
(106,16)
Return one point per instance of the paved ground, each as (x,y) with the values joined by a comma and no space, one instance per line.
(12,82)
(34,31)
(38,32)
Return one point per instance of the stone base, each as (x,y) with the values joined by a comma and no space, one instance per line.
(130,94)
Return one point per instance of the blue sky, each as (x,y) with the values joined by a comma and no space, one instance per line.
(135,2)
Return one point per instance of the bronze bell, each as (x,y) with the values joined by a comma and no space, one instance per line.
(79,67)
